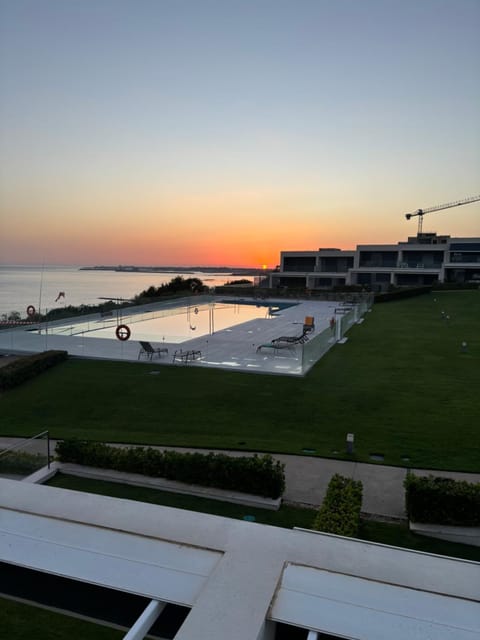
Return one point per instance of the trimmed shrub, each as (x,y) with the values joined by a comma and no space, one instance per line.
(258,475)
(18,371)
(436,500)
(340,511)
(402,293)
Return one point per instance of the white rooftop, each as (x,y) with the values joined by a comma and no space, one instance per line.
(239,577)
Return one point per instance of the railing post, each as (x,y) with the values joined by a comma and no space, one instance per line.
(338,326)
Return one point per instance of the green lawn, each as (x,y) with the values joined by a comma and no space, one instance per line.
(26,622)
(401,384)
(287,516)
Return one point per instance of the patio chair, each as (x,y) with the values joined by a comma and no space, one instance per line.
(148,351)
(309,324)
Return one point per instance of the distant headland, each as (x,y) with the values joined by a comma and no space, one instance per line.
(236,271)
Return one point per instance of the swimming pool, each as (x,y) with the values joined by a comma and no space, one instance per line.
(170,324)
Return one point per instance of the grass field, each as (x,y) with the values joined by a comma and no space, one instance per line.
(25,622)
(402,384)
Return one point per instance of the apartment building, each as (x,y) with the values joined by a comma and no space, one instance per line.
(421,260)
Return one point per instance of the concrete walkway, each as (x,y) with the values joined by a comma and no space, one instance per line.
(307,479)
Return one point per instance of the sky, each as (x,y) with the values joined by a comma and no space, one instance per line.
(221,132)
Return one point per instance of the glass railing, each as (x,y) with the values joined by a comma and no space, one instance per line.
(319,344)
(25,457)
(316,347)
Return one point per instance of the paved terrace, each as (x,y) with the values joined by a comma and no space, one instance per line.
(234,348)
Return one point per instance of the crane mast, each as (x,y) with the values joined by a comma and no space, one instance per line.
(421,212)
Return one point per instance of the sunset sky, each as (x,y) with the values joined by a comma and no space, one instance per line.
(221,132)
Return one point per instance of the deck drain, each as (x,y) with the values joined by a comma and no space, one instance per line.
(306,450)
(154,373)
(405,458)
(379,457)
(241,442)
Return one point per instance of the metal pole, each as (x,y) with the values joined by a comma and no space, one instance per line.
(145,621)
(40,295)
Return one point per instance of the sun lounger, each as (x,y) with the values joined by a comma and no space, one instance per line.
(276,346)
(292,339)
(148,351)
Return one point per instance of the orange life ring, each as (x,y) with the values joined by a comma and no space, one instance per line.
(31,310)
(123,332)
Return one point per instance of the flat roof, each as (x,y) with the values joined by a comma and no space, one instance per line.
(365,609)
(238,575)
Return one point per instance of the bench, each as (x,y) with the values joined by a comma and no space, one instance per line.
(186,356)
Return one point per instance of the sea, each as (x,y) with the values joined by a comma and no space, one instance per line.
(47,287)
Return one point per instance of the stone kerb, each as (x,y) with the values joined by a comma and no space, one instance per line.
(163,484)
(464,535)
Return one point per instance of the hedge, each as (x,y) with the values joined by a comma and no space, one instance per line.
(258,475)
(340,510)
(437,500)
(28,367)
(401,293)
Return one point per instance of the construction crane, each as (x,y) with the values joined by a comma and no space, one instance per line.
(421,212)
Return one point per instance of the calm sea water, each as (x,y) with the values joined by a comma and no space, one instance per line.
(21,286)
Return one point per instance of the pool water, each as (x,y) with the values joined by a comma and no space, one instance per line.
(181,324)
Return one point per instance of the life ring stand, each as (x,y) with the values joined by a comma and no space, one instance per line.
(31,311)
(123,332)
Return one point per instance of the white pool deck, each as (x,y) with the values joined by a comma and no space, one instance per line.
(234,348)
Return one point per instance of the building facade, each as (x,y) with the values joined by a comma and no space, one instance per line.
(421,260)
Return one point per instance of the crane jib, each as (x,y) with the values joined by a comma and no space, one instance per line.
(421,212)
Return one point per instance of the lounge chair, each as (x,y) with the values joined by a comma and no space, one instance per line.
(301,339)
(276,345)
(148,351)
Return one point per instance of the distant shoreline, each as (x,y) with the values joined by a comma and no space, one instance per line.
(135,269)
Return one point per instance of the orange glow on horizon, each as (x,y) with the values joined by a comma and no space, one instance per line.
(243,228)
